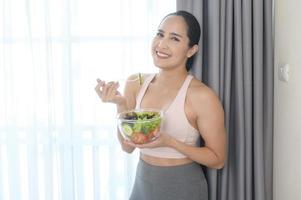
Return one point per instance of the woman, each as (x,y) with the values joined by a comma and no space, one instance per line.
(169,167)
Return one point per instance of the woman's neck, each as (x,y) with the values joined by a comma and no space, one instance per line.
(171,79)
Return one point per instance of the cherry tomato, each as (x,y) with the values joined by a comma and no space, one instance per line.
(139,138)
(152,134)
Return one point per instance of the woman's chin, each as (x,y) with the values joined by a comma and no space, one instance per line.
(161,65)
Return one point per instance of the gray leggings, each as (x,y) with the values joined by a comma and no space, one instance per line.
(184,182)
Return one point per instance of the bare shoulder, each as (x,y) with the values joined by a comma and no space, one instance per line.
(131,89)
(133,84)
(201,96)
(199,91)
(137,78)
(135,81)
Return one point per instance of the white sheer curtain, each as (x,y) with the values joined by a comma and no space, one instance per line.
(57,140)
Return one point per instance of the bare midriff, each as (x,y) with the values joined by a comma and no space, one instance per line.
(164,161)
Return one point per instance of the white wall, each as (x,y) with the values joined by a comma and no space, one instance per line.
(287,139)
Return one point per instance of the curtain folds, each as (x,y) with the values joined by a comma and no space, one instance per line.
(236,60)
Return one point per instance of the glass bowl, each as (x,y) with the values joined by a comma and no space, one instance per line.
(140,126)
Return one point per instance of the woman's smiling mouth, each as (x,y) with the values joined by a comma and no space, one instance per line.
(162,55)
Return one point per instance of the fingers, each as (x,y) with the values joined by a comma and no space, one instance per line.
(151,144)
(130,143)
(98,87)
(113,91)
(107,91)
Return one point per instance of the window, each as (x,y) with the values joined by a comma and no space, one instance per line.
(57,140)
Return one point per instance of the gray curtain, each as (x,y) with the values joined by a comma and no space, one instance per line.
(236,60)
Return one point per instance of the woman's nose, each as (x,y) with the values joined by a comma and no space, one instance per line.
(163,43)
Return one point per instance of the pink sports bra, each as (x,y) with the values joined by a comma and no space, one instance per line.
(174,122)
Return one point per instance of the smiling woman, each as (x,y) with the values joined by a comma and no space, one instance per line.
(56,140)
(170,165)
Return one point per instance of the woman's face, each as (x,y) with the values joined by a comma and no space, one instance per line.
(170,45)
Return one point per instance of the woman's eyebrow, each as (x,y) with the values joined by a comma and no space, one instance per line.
(176,34)
(172,33)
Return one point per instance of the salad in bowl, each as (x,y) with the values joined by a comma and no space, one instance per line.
(140,126)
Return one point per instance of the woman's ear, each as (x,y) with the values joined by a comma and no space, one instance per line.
(192,50)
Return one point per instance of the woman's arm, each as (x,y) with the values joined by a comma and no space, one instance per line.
(210,123)
(108,93)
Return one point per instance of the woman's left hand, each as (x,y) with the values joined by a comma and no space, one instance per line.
(163,140)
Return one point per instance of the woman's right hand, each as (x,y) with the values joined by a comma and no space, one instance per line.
(108,92)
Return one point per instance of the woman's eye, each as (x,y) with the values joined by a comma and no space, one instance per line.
(175,39)
(159,34)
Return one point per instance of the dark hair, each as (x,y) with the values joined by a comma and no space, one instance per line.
(193,31)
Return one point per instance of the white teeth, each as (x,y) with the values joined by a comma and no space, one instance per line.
(162,55)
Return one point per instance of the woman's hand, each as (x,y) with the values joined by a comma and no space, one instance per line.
(163,140)
(108,92)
